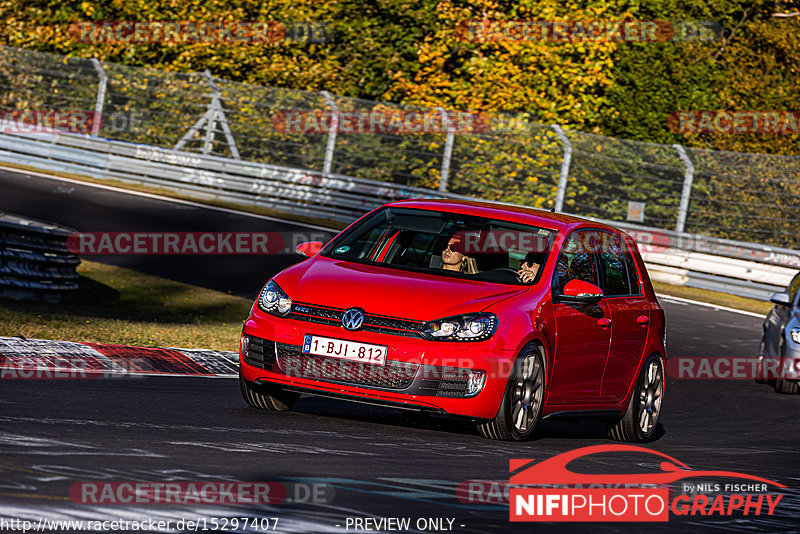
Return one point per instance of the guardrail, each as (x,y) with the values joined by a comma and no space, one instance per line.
(35,261)
(312,194)
(735,267)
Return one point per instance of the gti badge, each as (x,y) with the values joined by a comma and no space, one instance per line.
(353,319)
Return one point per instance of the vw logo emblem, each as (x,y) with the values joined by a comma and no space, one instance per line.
(353,319)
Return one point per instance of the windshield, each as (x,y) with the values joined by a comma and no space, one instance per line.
(446,244)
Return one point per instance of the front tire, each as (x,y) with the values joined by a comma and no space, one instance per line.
(274,400)
(522,402)
(786,387)
(638,425)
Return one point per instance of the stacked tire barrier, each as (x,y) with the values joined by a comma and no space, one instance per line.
(34,260)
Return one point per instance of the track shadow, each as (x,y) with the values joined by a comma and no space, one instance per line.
(572,429)
(92,292)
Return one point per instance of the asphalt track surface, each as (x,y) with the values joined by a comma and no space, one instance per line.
(94,209)
(374,462)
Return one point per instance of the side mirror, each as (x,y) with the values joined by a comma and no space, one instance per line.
(781,299)
(581,292)
(308,249)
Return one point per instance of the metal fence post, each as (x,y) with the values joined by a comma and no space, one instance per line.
(330,148)
(686,193)
(565,162)
(101,97)
(448,150)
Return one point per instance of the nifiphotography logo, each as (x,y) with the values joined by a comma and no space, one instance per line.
(548,491)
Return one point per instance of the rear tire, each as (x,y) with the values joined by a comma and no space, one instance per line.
(638,425)
(522,402)
(272,399)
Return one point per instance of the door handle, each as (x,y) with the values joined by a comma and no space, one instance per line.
(642,320)
(604,322)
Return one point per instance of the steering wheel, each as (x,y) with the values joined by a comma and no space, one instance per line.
(508,270)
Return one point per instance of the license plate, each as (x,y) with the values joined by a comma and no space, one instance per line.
(346,350)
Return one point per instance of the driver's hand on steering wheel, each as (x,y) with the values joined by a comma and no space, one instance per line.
(527,272)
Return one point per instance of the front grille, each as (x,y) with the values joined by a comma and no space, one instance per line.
(390,322)
(372,323)
(259,352)
(393,375)
(289,360)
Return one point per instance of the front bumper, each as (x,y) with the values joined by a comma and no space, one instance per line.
(790,366)
(786,367)
(418,374)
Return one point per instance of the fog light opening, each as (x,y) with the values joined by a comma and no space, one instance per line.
(475,381)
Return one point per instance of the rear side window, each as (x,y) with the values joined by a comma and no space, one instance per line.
(633,273)
(576,260)
(618,266)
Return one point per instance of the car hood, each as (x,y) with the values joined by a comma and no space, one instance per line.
(383,291)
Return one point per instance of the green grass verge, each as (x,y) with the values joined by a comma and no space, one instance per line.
(116,305)
(713,297)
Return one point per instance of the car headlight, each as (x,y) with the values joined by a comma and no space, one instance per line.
(795,333)
(274,300)
(470,327)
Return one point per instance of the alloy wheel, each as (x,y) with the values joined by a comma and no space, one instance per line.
(650,395)
(527,394)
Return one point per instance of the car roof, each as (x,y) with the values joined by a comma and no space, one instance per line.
(507,212)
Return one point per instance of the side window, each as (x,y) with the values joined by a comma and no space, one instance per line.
(615,271)
(794,285)
(576,260)
(618,266)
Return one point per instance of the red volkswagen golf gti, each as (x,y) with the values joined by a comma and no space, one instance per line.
(502,314)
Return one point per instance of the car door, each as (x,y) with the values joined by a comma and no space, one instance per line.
(583,333)
(630,315)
